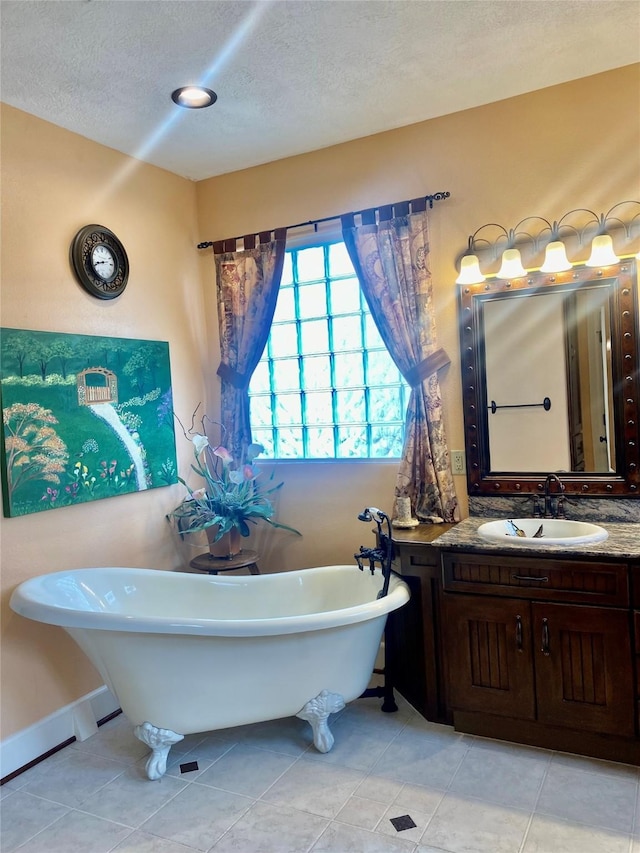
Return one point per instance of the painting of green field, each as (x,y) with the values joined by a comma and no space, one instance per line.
(83,418)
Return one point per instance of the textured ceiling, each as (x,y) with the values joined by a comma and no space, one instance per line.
(291,75)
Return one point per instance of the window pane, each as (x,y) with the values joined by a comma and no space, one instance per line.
(314,336)
(285,306)
(287,270)
(386,440)
(347,332)
(290,444)
(261,411)
(339,260)
(352,442)
(260,378)
(385,404)
(380,368)
(345,296)
(312,300)
(265,438)
(317,372)
(286,374)
(320,443)
(348,369)
(284,340)
(318,407)
(288,409)
(371,334)
(311,264)
(351,407)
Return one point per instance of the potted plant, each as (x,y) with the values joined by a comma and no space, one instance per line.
(231,499)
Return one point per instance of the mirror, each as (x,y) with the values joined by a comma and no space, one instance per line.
(551,381)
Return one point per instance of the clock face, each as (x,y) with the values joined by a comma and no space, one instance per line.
(99,261)
(103,262)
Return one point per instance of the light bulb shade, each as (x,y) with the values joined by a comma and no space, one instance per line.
(555,258)
(511,265)
(470,271)
(602,254)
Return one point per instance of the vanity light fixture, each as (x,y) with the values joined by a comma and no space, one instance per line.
(511,266)
(602,254)
(580,226)
(470,267)
(194,97)
(555,258)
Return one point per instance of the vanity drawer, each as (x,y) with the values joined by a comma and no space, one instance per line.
(540,578)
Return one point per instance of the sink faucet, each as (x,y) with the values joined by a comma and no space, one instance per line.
(553,505)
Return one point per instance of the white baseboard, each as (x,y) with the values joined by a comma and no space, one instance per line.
(79,720)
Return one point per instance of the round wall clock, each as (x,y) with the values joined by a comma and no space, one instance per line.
(99,261)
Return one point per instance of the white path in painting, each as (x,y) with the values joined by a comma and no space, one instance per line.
(107,413)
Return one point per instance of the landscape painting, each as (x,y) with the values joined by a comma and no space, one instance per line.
(83,418)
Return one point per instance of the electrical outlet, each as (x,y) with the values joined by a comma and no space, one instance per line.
(458,465)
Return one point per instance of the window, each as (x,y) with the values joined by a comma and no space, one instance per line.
(326,387)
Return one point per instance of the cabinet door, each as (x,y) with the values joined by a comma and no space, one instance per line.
(488,648)
(584,677)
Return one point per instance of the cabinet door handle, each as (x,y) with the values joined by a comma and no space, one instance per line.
(519,633)
(545,638)
(529,578)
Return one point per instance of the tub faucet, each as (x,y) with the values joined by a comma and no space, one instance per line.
(383,554)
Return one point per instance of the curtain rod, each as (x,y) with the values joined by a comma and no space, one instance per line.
(416,204)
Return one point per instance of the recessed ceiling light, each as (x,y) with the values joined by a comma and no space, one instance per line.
(194,97)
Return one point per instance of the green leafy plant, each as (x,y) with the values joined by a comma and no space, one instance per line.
(232,495)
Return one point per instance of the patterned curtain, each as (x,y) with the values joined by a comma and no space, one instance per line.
(247,284)
(391,261)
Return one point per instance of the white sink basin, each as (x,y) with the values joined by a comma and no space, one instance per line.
(555,531)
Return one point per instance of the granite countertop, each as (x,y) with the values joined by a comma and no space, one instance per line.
(623,542)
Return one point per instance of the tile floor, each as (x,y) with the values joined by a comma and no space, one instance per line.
(264,789)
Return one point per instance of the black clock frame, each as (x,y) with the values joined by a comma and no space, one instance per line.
(82,247)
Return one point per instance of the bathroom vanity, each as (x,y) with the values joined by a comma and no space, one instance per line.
(535,646)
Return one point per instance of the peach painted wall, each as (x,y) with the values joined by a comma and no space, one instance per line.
(574,145)
(54,182)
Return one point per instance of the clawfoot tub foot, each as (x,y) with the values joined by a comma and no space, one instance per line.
(160,741)
(316,712)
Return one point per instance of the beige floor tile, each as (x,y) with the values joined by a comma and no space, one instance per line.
(597,799)
(341,838)
(74,778)
(132,798)
(246,770)
(550,835)
(140,842)
(422,758)
(77,832)
(198,816)
(358,811)
(465,825)
(23,816)
(272,829)
(314,787)
(501,777)
(114,740)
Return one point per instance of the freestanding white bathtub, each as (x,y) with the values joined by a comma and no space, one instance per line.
(188,653)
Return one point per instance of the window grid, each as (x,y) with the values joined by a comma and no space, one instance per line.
(279,433)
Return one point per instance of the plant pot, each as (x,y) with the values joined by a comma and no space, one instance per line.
(228,546)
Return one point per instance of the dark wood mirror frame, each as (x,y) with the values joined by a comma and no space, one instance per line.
(625,337)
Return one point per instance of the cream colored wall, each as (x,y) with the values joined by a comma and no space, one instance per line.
(574,145)
(54,182)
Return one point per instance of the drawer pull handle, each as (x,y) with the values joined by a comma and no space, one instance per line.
(519,633)
(545,638)
(529,578)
